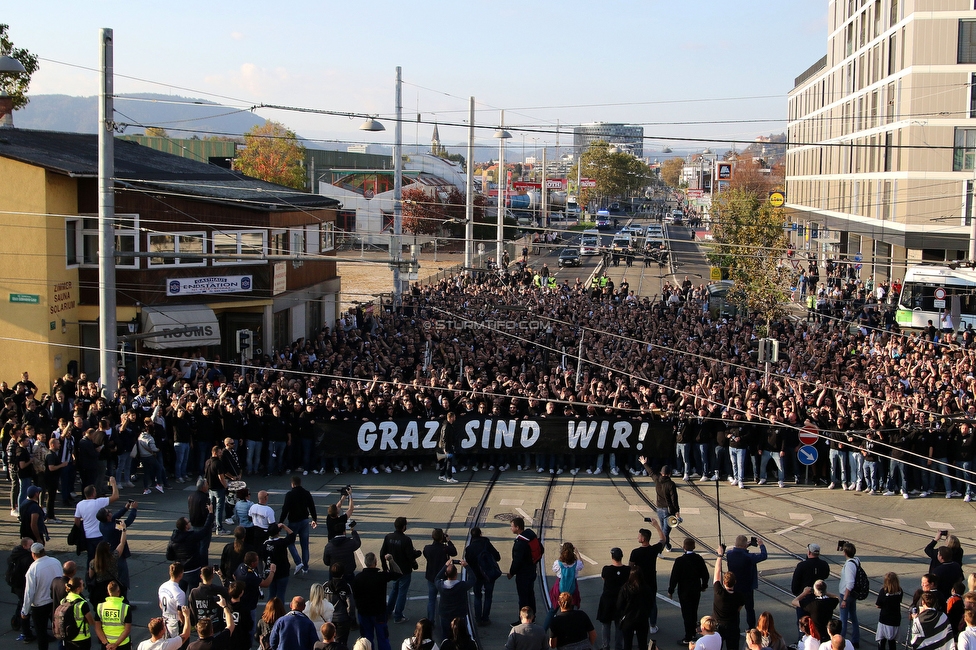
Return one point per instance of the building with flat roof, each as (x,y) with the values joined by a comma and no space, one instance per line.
(629,138)
(882,136)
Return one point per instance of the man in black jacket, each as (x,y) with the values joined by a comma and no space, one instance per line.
(369,590)
(523,566)
(198,507)
(807,572)
(186,546)
(667,498)
(398,545)
(18,562)
(299,511)
(342,549)
(689,576)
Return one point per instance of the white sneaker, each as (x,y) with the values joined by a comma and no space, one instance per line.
(387,470)
(732,480)
(598,470)
(904,495)
(559,471)
(888,493)
(335,470)
(305,472)
(417,468)
(924,494)
(762,481)
(967,498)
(504,467)
(614,471)
(956,494)
(374,470)
(652,629)
(541,470)
(442,478)
(298,568)
(832,486)
(452,480)
(464,468)
(782,484)
(491,468)
(518,467)
(742,485)
(365,471)
(589,470)
(704,479)
(552,472)
(685,478)
(949,496)
(229,522)
(574,471)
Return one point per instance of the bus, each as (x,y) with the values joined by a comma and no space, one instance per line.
(916,304)
(590,242)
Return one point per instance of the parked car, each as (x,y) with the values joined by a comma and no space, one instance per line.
(569,257)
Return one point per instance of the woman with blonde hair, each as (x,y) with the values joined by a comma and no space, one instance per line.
(318,609)
(709,639)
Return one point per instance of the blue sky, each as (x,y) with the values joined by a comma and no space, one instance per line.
(652,62)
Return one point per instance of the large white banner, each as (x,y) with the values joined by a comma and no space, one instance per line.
(209,284)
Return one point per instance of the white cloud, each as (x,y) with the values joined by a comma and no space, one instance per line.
(237,36)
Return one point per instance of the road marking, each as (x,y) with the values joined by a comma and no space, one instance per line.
(511,502)
(587,559)
(525,516)
(589,577)
(900,522)
(634,508)
(802,516)
(785,530)
(400,498)
(691,511)
(442,499)
(753,515)
(938,525)
(574,506)
(846,519)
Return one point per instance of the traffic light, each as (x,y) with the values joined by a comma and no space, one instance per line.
(768,350)
(243,341)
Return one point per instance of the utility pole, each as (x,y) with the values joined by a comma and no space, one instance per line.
(107,330)
(397,194)
(469,195)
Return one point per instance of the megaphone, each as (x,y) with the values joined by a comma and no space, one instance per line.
(674,520)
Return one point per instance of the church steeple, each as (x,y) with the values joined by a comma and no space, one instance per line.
(435,143)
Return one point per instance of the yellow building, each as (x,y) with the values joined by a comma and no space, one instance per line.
(164,204)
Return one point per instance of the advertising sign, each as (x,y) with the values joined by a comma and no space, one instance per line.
(209,284)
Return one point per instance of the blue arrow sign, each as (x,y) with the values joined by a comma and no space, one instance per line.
(807,454)
(858,257)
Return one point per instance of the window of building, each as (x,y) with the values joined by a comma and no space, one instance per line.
(313,239)
(964,150)
(967,42)
(968,218)
(327,237)
(186,243)
(894,13)
(82,238)
(972,95)
(298,245)
(241,242)
(279,242)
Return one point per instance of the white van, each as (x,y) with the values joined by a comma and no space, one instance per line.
(590,242)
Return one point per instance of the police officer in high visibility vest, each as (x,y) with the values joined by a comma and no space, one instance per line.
(552,283)
(113,622)
(83,616)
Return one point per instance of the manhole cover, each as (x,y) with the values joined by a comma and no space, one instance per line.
(505,516)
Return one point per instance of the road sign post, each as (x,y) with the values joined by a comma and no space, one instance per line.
(809,434)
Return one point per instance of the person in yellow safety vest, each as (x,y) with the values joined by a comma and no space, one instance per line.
(83,616)
(603,280)
(113,622)
(552,282)
(537,280)
(595,283)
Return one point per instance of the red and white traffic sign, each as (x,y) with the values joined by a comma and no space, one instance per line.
(809,434)
(940,293)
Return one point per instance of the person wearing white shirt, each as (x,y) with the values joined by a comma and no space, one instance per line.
(172,600)
(159,640)
(38,603)
(967,638)
(710,639)
(845,590)
(833,629)
(262,516)
(86,513)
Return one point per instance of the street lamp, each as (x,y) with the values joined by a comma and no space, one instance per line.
(502,135)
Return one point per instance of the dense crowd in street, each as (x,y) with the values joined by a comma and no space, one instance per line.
(894,410)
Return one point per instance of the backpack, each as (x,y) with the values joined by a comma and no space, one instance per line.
(535,548)
(862,587)
(339,599)
(65,624)
(488,566)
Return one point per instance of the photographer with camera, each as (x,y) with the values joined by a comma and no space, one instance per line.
(342,549)
(335,523)
(112,527)
(742,564)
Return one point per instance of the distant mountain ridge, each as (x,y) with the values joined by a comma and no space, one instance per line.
(80,115)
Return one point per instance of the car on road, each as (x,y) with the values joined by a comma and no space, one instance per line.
(590,242)
(603,219)
(634,230)
(569,257)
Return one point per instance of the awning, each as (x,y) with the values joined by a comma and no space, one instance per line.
(193,325)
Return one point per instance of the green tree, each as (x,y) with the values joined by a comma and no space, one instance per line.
(617,174)
(749,241)
(16,85)
(671,171)
(156,132)
(274,154)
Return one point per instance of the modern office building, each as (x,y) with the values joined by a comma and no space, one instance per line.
(630,138)
(882,135)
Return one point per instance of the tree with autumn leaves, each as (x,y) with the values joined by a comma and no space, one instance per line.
(274,154)
(15,85)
